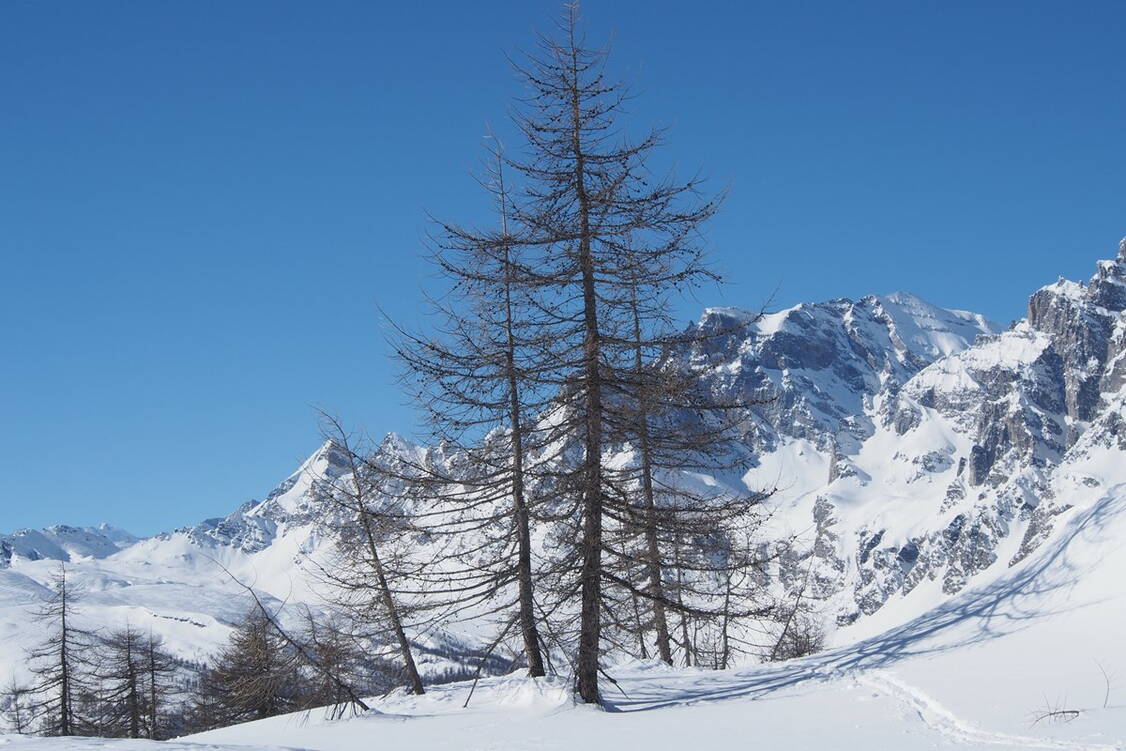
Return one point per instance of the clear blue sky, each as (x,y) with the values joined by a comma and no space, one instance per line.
(202,204)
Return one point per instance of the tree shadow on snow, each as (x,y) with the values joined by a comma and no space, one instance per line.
(1031,591)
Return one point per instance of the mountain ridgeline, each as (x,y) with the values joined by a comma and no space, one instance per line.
(907,445)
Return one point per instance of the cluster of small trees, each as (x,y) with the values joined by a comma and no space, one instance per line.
(123,683)
(113,684)
(264,671)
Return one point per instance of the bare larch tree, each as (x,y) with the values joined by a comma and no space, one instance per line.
(60,665)
(479,377)
(607,231)
(254,677)
(372,531)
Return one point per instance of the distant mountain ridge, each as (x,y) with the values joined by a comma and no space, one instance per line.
(913,447)
(61,542)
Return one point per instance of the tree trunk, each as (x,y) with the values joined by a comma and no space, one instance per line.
(153,712)
(590,626)
(528,627)
(652,544)
(392,609)
(134,699)
(396,622)
(64,670)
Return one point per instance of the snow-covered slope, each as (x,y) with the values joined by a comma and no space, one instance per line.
(821,363)
(980,669)
(921,457)
(172,583)
(185,585)
(956,470)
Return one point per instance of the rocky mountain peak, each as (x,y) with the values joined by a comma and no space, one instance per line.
(993,431)
(818,367)
(908,442)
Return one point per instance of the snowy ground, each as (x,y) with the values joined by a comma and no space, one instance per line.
(971,672)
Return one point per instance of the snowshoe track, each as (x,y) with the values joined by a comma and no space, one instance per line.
(940,719)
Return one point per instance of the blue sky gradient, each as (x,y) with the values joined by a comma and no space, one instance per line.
(204,204)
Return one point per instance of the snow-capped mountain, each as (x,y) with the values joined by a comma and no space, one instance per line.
(967,465)
(820,368)
(63,543)
(913,449)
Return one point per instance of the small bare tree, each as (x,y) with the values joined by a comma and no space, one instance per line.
(16,713)
(254,677)
(336,663)
(158,669)
(121,674)
(133,682)
(373,538)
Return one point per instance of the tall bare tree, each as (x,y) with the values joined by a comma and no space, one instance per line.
(60,664)
(607,232)
(479,377)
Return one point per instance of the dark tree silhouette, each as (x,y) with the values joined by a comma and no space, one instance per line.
(61,664)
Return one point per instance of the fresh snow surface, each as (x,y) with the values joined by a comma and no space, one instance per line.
(971,671)
(24,743)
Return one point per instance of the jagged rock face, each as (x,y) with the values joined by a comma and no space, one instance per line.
(255,525)
(912,446)
(298,502)
(815,369)
(239,530)
(988,432)
(1029,393)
